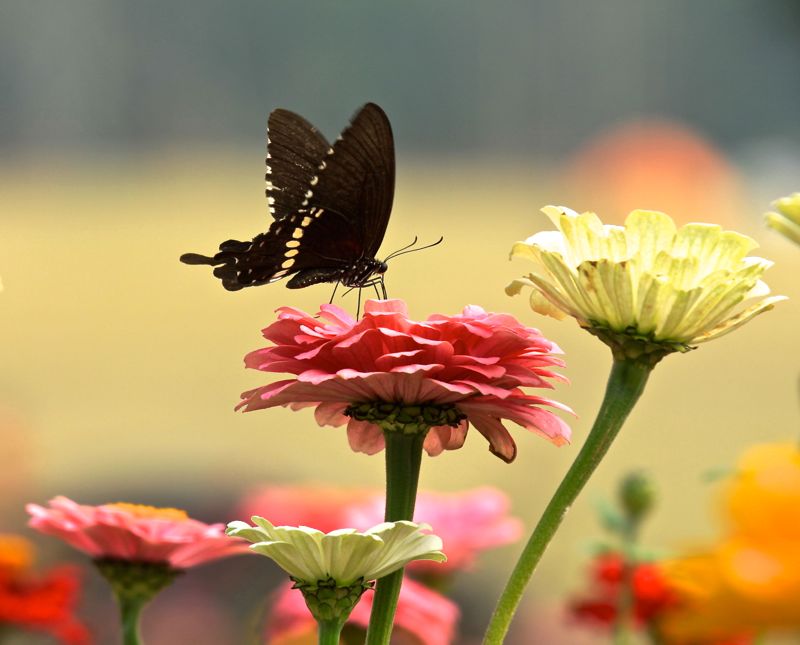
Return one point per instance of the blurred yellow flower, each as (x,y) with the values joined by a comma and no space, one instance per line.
(648,280)
(750,580)
(787,219)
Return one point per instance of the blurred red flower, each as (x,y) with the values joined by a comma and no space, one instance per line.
(134,533)
(652,595)
(43,603)
(476,361)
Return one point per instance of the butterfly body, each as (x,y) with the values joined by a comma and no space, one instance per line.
(330,204)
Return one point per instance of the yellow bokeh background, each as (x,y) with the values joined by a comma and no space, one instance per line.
(122,366)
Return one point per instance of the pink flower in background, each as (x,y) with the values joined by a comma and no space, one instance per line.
(476,361)
(134,533)
(325,508)
(468,522)
(424,617)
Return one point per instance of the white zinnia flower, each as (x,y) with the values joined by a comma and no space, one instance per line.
(346,556)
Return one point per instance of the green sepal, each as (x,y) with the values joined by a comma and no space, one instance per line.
(327,601)
(136,581)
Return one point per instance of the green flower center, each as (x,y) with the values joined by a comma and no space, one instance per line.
(406,419)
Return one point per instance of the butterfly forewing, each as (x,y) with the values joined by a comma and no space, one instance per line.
(363,156)
(294,151)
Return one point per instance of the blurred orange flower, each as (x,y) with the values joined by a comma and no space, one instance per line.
(750,580)
(38,603)
(659,165)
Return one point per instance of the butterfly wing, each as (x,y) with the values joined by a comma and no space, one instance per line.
(294,151)
(356,180)
(330,213)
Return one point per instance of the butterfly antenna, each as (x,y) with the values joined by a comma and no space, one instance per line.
(408,249)
(407,246)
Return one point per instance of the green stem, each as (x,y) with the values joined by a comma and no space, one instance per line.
(130,610)
(625,385)
(627,601)
(403,459)
(330,630)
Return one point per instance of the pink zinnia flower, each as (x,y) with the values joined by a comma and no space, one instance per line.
(475,361)
(424,616)
(134,533)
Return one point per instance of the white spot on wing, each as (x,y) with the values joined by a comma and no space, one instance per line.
(278,275)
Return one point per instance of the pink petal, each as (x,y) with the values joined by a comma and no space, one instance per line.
(331,414)
(386,306)
(364,437)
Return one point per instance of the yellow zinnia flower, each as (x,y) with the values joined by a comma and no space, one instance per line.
(648,281)
(787,219)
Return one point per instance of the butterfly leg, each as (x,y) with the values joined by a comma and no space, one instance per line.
(383,288)
(382,293)
(335,287)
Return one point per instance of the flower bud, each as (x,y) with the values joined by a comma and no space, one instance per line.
(636,496)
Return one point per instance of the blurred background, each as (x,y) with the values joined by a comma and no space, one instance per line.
(131,133)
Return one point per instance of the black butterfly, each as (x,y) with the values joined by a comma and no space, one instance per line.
(331,205)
